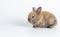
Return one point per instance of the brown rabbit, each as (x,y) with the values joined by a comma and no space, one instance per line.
(41,19)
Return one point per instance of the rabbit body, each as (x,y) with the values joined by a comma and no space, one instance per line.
(42,19)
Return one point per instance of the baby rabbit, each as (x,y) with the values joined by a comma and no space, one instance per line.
(41,19)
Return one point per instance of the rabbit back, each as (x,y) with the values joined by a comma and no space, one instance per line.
(49,18)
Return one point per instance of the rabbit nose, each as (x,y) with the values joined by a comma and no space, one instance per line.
(28,19)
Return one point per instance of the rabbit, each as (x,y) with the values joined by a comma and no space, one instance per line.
(41,19)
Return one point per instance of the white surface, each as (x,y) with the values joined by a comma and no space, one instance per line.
(13,18)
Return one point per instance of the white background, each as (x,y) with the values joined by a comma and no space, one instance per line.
(13,18)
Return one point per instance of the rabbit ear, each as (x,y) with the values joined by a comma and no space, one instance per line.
(38,10)
(33,8)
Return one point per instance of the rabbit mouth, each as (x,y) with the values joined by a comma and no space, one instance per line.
(33,22)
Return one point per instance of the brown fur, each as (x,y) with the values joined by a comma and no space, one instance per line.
(42,19)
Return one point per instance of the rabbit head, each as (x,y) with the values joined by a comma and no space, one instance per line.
(33,15)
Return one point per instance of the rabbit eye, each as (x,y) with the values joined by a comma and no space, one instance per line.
(32,16)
